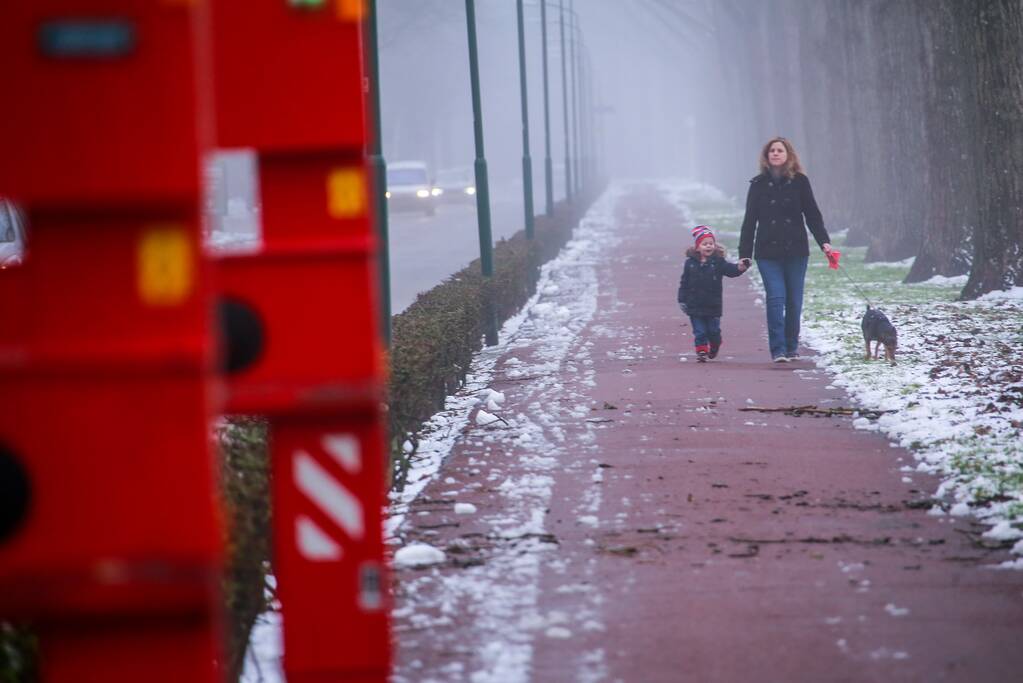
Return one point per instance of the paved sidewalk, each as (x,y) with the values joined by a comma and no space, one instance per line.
(628,522)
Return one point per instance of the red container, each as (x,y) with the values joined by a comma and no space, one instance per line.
(105,102)
(287,78)
(304,345)
(112,545)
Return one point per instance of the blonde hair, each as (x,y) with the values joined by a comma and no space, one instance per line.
(791,166)
(718,250)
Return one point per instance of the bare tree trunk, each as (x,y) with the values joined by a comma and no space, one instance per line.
(862,171)
(950,210)
(901,94)
(784,26)
(756,56)
(813,46)
(839,151)
(737,86)
(998,239)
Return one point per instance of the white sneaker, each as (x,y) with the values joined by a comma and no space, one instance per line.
(780,359)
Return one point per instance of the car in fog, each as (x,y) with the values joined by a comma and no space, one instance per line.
(457,184)
(409,188)
(12,234)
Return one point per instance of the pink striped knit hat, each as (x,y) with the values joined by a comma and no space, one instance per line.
(700,232)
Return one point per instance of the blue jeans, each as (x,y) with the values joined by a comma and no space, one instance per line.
(706,330)
(783,289)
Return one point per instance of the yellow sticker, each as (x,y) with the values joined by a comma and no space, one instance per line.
(166,268)
(350,10)
(346,193)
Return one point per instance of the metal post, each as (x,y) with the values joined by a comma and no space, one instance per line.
(548,166)
(527,162)
(575,87)
(588,116)
(378,169)
(584,175)
(564,104)
(591,121)
(482,187)
(601,139)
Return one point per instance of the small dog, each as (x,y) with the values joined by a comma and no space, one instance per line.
(878,328)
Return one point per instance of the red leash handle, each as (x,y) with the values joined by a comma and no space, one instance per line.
(833,257)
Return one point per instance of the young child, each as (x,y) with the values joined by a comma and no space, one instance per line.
(699,290)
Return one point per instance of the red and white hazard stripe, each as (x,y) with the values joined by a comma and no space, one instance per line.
(330,496)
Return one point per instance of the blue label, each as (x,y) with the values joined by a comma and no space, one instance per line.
(76,38)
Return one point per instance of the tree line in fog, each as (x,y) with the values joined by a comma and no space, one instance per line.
(908,115)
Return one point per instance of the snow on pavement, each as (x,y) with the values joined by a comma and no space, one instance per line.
(497,601)
(501,597)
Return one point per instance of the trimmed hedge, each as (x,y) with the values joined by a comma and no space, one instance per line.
(245,488)
(18,650)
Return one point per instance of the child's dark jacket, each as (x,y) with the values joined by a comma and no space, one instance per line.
(699,289)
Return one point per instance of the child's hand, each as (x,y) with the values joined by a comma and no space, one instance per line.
(744,265)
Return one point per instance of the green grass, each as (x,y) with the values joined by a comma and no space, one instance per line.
(952,359)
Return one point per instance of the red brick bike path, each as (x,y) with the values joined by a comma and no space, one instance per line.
(733,545)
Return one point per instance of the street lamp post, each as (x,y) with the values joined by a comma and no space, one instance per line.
(586,116)
(548,166)
(482,185)
(378,169)
(527,162)
(576,37)
(564,107)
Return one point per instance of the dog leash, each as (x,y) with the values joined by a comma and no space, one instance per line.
(835,265)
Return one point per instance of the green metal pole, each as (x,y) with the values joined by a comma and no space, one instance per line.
(547,165)
(585,115)
(584,120)
(575,107)
(592,123)
(564,104)
(378,169)
(601,139)
(527,162)
(482,186)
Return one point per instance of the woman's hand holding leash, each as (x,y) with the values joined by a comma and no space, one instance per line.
(832,255)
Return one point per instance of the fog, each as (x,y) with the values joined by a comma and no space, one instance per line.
(651,65)
(648,92)
(875,95)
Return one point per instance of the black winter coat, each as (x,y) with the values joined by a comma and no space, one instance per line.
(699,289)
(773,227)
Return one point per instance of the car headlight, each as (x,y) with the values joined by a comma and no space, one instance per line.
(387,194)
(436,192)
(470,190)
(422,194)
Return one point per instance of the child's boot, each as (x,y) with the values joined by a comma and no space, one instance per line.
(701,353)
(714,348)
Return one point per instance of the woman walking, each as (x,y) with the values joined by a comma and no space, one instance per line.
(774,233)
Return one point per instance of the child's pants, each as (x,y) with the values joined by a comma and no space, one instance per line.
(706,330)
